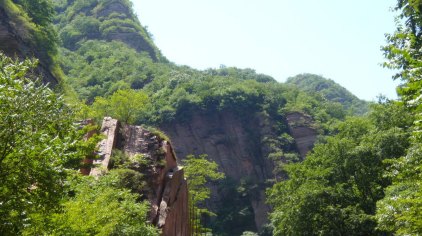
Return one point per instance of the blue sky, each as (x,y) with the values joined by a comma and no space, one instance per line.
(338,39)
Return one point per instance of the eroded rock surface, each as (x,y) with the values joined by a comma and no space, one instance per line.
(234,143)
(167,189)
(14,42)
(109,129)
(300,127)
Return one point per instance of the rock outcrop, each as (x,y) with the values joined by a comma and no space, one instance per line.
(167,189)
(109,129)
(300,128)
(15,42)
(236,144)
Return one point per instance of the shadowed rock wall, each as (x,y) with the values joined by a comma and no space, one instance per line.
(235,143)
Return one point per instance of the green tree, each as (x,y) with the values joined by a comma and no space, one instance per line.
(40,11)
(403,54)
(199,171)
(102,207)
(399,211)
(38,142)
(124,105)
(335,190)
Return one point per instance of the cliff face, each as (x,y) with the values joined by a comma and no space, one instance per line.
(300,128)
(167,189)
(14,42)
(235,143)
(227,139)
(103,20)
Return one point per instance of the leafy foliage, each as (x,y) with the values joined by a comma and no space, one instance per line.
(399,211)
(99,60)
(103,207)
(124,105)
(83,20)
(97,207)
(330,90)
(336,188)
(100,68)
(38,143)
(33,20)
(198,171)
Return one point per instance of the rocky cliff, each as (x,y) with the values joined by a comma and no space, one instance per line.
(79,21)
(16,41)
(236,144)
(300,128)
(166,190)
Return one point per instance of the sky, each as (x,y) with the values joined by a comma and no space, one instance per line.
(338,39)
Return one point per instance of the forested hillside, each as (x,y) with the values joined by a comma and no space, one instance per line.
(330,90)
(235,116)
(26,31)
(365,180)
(305,157)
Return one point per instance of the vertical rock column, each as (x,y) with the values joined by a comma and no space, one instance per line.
(173,218)
(168,193)
(110,129)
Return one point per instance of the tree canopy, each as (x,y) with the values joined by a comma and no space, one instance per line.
(38,143)
(336,188)
(399,211)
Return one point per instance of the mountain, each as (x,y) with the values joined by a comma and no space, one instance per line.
(79,21)
(303,146)
(329,89)
(246,122)
(23,37)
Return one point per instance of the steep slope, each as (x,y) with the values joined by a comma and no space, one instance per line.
(332,91)
(108,20)
(22,37)
(104,47)
(232,143)
(239,118)
(152,157)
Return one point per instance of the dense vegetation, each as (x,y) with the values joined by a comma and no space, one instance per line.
(362,178)
(399,211)
(336,188)
(366,179)
(99,67)
(330,90)
(34,153)
(41,147)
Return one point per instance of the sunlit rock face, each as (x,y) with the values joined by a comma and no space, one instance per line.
(300,128)
(166,189)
